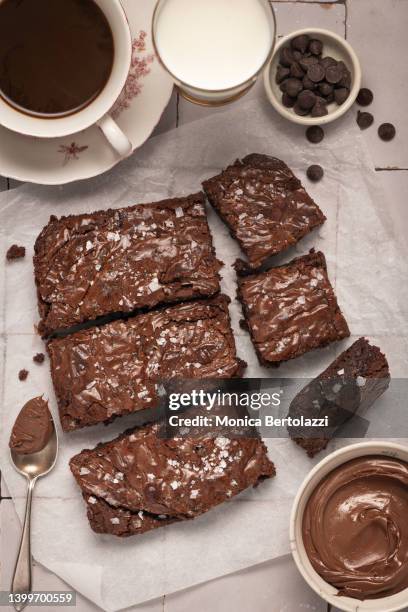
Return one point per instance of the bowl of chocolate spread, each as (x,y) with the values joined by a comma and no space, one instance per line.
(349,528)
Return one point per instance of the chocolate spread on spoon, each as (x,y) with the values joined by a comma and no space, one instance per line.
(32,429)
(355,527)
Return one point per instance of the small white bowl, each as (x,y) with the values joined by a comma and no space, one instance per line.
(334,46)
(393,603)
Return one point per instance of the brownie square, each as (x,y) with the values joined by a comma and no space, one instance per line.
(113,261)
(105,372)
(264,205)
(350,384)
(291,309)
(141,481)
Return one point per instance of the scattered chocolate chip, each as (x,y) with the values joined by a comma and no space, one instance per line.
(386,131)
(315,134)
(293,87)
(286,57)
(316,47)
(15,252)
(306,62)
(302,112)
(341,95)
(325,89)
(300,43)
(308,84)
(364,120)
(315,173)
(296,71)
(320,108)
(327,61)
(22,375)
(306,99)
(288,101)
(365,97)
(334,74)
(282,73)
(315,73)
(39,358)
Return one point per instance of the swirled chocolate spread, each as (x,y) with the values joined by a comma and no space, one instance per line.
(32,429)
(355,527)
(111,261)
(142,481)
(264,205)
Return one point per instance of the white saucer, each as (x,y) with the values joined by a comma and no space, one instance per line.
(56,161)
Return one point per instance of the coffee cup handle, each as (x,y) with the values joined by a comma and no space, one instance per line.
(114,135)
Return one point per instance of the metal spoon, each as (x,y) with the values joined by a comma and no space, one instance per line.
(32,466)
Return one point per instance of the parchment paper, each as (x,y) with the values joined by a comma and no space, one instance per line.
(367,266)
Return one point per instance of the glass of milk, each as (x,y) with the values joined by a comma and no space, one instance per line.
(214,49)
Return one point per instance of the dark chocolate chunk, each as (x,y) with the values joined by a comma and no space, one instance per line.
(282,73)
(306,99)
(22,375)
(296,71)
(306,62)
(293,87)
(39,358)
(302,112)
(325,89)
(320,108)
(315,134)
(334,73)
(327,61)
(315,73)
(365,97)
(286,57)
(300,43)
(15,252)
(288,101)
(341,95)
(315,46)
(315,173)
(386,131)
(364,120)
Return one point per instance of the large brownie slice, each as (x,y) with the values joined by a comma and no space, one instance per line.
(90,265)
(108,371)
(291,309)
(350,384)
(142,481)
(264,205)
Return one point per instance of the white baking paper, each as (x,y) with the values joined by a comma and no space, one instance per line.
(367,265)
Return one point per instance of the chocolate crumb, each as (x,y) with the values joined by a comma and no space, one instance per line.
(315,134)
(365,97)
(386,131)
(364,120)
(315,173)
(15,252)
(39,358)
(22,375)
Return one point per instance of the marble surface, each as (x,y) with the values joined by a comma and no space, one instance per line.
(377,30)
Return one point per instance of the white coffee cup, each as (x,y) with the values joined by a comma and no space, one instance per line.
(97,112)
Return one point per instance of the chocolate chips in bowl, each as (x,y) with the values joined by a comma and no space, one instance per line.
(314,76)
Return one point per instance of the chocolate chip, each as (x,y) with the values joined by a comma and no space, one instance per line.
(300,43)
(39,358)
(327,61)
(22,375)
(308,84)
(293,87)
(286,57)
(282,73)
(345,80)
(296,71)
(306,99)
(386,131)
(320,108)
(334,73)
(341,95)
(297,55)
(315,173)
(315,73)
(288,101)
(365,97)
(15,252)
(330,98)
(315,134)
(300,111)
(306,62)
(325,89)
(364,120)
(316,46)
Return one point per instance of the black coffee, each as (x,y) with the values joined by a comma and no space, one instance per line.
(56,56)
